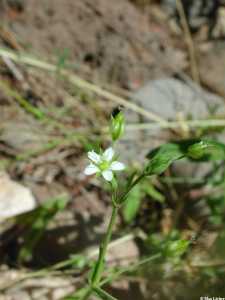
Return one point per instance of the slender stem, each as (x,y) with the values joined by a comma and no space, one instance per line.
(103,249)
(130,268)
(95,281)
(97,273)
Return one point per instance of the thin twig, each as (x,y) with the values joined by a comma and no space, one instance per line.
(189,41)
(210,123)
(81,83)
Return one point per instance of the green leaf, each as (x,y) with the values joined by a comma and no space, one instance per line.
(163,157)
(80,294)
(103,294)
(75,261)
(151,191)
(132,204)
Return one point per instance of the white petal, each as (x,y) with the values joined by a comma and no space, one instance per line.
(117,166)
(93,156)
(108,154)
(91,169)
(108,175)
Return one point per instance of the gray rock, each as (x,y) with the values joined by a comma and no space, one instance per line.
(167,97)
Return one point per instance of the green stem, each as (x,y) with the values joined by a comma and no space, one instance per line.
(87,294)
(96,277)
(99,266)
(103,294)
(116,275)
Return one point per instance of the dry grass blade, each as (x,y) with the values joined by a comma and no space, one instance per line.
(210,123)
(79,82)
(189,41)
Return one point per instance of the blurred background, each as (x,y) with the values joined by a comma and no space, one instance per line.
(65,66)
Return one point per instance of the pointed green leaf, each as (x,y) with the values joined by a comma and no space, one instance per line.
(103,294)
(132,204)
(163,157)
(151,191)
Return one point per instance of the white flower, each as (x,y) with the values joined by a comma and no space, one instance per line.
(103,164)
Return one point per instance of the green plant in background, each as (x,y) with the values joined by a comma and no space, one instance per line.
(106,164)
(145,189)
(62,59)
(171,246)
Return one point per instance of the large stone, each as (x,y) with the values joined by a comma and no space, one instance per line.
(168,96)
(15,199)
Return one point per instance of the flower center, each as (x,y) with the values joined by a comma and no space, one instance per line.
(104,165)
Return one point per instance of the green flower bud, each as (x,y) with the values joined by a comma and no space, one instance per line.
(207,150)
(176,248)
(198,150)
(117,126)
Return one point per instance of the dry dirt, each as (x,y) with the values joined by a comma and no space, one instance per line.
(114,38)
